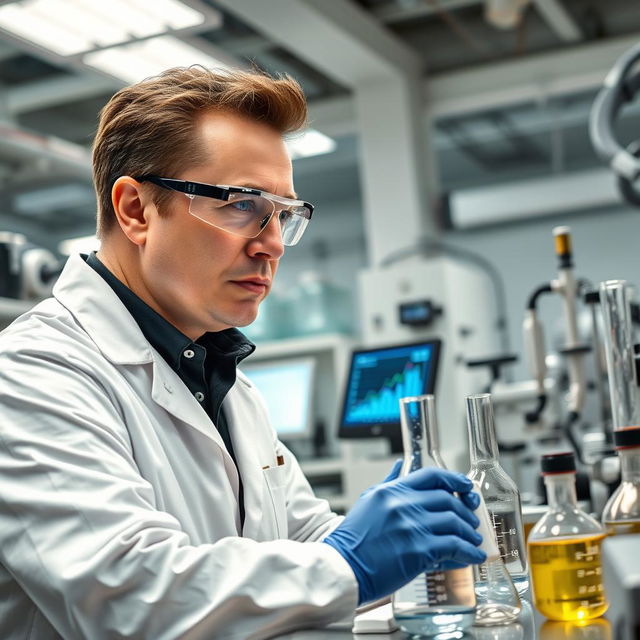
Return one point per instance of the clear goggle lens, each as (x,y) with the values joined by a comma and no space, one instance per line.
(247,215)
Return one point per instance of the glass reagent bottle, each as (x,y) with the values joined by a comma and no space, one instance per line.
(435,602)
(564,549)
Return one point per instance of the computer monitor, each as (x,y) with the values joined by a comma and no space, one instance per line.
(287,387)
(377,379)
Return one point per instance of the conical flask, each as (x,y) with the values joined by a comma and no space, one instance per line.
(497,599)
(436,602)
(564,549)
(621,514)
(499,491)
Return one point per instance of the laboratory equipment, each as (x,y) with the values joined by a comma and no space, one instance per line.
(621,514)
(574,351)
(620,88)
(497,598)
(435,602)
(565,549)
(621,364)
(377,379)
(27,272)
(498,489)
(621,568)
(287,386)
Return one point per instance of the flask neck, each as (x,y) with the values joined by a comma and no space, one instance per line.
(483,443)
(630,464)
(561,489)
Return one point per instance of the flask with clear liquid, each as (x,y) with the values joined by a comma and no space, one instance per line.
(564,549)
(435,602)
(621,514)
(498,602)
(499,491)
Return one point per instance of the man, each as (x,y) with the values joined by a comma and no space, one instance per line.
(143,492)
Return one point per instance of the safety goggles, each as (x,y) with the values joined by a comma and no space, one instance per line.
(239,210)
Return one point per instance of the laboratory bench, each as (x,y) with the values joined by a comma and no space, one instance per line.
(529,626)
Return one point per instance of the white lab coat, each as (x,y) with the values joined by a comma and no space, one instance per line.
(119,501)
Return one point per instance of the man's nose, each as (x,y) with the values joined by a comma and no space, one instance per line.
(269,241)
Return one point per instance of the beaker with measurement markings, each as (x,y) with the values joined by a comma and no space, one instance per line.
(564,549)
(499,491)
(435,602)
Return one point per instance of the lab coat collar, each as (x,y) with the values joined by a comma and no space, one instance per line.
(101,313)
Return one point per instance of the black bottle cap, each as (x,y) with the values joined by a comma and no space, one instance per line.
(627,437)
(558,463)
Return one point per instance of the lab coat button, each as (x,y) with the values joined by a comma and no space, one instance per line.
(199,396)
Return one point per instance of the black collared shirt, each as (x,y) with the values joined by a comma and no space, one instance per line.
(206,366)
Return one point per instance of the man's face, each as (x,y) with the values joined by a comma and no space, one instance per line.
(201,278)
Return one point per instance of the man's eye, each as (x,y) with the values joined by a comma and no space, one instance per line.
(244,205)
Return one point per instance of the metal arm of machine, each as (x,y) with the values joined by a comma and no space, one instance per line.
(620,87)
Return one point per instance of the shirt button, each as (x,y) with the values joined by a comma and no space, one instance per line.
(199,396)
(189,353)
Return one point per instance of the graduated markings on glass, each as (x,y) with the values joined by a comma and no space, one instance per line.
(507,537)
(436,589)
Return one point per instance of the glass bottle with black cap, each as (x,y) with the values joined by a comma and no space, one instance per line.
(564,549)
(621,514)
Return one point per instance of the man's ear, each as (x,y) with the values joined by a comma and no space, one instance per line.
(131,203)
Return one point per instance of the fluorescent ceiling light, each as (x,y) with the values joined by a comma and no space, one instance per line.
(83,244)
(140,60)
(70,27)
(310,143)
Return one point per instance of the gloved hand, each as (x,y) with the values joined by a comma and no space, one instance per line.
(403,527)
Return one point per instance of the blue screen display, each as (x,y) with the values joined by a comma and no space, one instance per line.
(379,378)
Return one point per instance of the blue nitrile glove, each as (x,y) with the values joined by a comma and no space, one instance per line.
(403,527)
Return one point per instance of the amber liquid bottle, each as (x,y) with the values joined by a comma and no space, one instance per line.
(564,549)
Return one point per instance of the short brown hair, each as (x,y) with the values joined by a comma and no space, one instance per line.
(141,122)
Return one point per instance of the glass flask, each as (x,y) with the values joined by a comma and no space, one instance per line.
(564,549)
(499,491)
(436,602)
(618,342)
(497,600)
(621,514)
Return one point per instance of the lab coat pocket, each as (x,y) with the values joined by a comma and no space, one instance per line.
(275,481)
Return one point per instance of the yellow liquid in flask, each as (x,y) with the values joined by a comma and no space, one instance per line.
(567,577)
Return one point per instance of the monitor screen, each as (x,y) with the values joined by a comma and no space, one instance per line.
(377,379)
(287,387)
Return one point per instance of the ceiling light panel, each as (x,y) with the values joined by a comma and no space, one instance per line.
(139,60)
(310,143)
(70,27)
